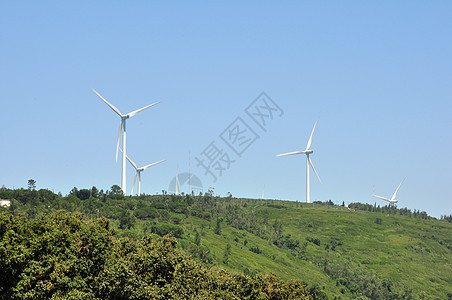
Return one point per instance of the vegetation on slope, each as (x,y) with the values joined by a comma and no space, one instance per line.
(66,256)
(367,252)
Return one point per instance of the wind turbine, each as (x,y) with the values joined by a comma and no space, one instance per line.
(307,151)
(177,188)
(393,199)
(122,129)
(138,174)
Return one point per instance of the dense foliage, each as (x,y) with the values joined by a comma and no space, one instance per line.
(65,255)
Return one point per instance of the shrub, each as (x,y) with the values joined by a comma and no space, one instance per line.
(164,229)
(255,249)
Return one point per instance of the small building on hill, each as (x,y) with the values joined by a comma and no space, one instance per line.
(5,202)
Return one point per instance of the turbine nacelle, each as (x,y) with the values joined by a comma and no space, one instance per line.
(393,199)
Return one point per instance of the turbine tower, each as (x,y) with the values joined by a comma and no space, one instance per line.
(138,173)
(307,151)
(393,199)
(177,188)
(122,129)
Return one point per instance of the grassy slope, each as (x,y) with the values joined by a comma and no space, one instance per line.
(409,251)
(405,250)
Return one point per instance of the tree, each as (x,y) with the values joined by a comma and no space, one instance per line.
(116,190)
(83,194)
(226,254)
(74,192)
(31,184)
(126,220)
(217,229)
(94,192)
(197,238)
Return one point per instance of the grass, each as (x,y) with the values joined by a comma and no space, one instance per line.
(411,252)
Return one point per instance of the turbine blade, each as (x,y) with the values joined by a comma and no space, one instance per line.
(291,153)
(131,114)
(145,167)
(395,193)
(108,103)
(134,179)
(119,137)
(312,166)
(310,138)
(382,198)
(131,162)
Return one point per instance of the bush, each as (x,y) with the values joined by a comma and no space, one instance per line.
(201,214)
(315,241)
(177,207)
(146,213)
(255,249)
(158,205)
(165,229)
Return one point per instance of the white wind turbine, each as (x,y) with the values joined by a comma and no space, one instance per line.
(393,199)
(177,187)
(122,129)
(307,151)
(138,174)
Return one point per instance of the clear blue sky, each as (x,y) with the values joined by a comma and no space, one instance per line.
(376,76)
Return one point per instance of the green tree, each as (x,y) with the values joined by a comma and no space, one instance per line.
(83,194)
(197,238)
(95,192)
(217,229)
(74,191)
(31,184)
(126,219)
(226,254)
(116,192)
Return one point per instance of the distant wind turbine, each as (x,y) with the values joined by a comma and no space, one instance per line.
(122,129)
(138,173)
(307,151)
(177,188)
(393,199)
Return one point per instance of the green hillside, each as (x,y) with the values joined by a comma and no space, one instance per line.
(343,252)
(365,252)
